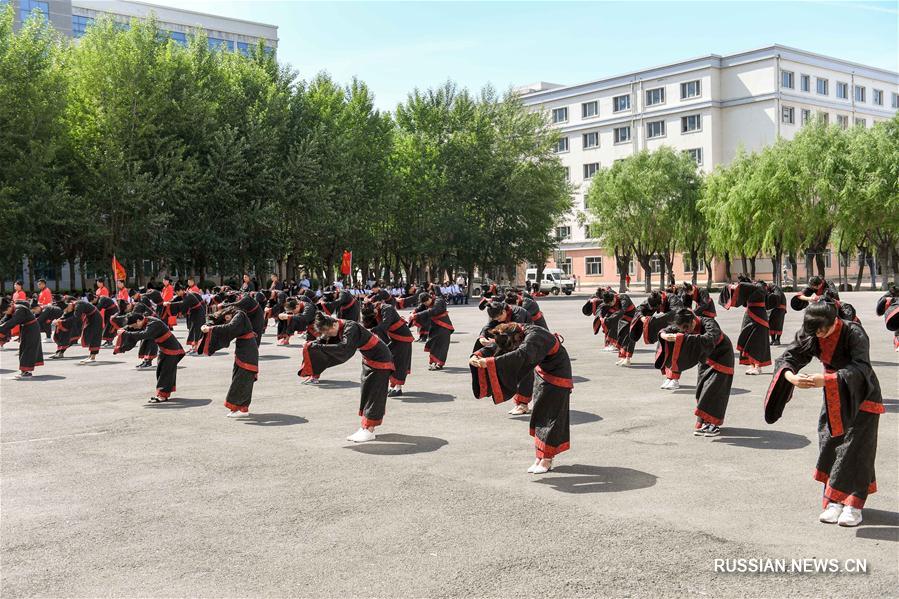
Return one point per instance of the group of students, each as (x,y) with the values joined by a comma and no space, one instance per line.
(516,355)
(681,322)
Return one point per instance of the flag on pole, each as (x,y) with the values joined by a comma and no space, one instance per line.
(118,271)
(346,266)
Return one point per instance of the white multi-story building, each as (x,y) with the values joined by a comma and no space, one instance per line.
(709,107)
(73,17)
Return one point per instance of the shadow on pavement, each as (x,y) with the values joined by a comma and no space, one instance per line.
(878,533)
(761,439)
(175,403)
(879,525)
(580,379)
(336,384)
(738,391)
(396,444)
(455,369)
(47,377)
(880,363)
(424,397)
(256,419)
(891,405)
(596,479)
(273,357)
(578,417)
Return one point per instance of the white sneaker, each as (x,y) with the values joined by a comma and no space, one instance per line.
(361,436)
(610,348)
(519,410)
(752,371)
(831,513)
(674,385)
(626,362)
(235,414)
(536,464)
(85,361)
(619,362)
(850,517)
(665,384)
(538,469)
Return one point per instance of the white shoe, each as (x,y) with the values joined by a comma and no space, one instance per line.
(752,371)
(610,348)
(538,469)
(85,361)
(536,464)
(850,517)
(674,385)
(665,384)
(235,414)
(626,362)
(519,410)
(831,513)
(361,436)
(619,362)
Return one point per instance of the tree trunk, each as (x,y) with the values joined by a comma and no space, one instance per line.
(708,277)
(647,272)
(694,262)
(862,258)
(663,264)
(727,270)
(72,262)
(82,269)
(819,263)
(745,265)
(57,276)
(794,267)
(752,268)
(883,260)
(775,268)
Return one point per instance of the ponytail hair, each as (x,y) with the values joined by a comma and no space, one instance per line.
(508,336)
(323,321)
(494,309)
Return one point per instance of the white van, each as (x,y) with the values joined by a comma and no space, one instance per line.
(554,280)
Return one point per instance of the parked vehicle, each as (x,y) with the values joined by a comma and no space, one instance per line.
(554,280)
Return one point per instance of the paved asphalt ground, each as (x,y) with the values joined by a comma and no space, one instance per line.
(105,495)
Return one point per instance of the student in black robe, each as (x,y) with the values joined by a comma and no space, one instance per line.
(21,314)
(66,328)
(753,343)
(499,313)
(108,308)
(383,320)
(274,307)
(814,290)
(530,305)
(776,304)
(694,341)
(441,328)
(48,315)
(847,427)
(888,307)
(337,342)
(340,303)
(248,303)
(150,303)
(192,307)
(228,324)
(91,327)
(298,317)
(140,327)
(519,350)
(592,308)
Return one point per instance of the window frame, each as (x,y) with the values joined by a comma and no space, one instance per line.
(842,87)
(616,137)
(615,103)
(684,121)
(818,82)
(877,94)
(592,261)
(557,149)
(559,110)
(860,90)
(594,104)
(587,165)
(663,132)
(684,86)
(691,151)
(584,140)
(660,89)
(788,115)
(792,76)
(805,83)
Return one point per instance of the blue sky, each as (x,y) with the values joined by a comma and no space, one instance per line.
(396,46)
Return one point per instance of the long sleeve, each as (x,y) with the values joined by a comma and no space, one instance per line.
(797,355)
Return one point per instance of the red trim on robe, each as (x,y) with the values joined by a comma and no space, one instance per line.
(494,380)
(554,380)
(236,408)
(832,399)
(706,417)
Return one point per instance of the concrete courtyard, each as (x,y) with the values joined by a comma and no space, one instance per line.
(106,495)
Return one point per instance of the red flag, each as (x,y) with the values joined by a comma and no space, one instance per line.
(347,265)
(118,271)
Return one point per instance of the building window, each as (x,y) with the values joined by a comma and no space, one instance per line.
(80,25)
(27,7)
(805,83)
(690,89)
(589,109)
(860,122)
(655,265)
(593,266)
(563,233)
(696,155)
(787,115)
(843,121)
(630,268)
(859,93)
(591,140)
(786,79)
(622,134)
(655,96)
(590,170)
(179,37)
(243,48)
(877,97)
(655,129)
(821,86)
(565,265)
(825,117)
(620,103)
(842,90)
(217,43)
(688,265)
(690,123)
(895,100)
(805,115)
(560,115)
(561,145)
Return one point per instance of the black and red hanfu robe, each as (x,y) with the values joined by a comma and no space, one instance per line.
(393,330)
(246,358)
(847,427)
(170,352)
(524,392)
(753,343)
(648,323)
(533,309)
(91,325)
(344,306)
(108,308)
(813,292)
(377,365)
(31,355)
(541,352)
(193,308)
(441,330)
(254,311)
(67,331)
(628,313)
(888,307)
(592,308)
(707,347)
(776,303)
(302,321)
(45,319)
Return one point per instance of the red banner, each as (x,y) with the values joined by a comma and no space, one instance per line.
(346,266)
(118,271)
